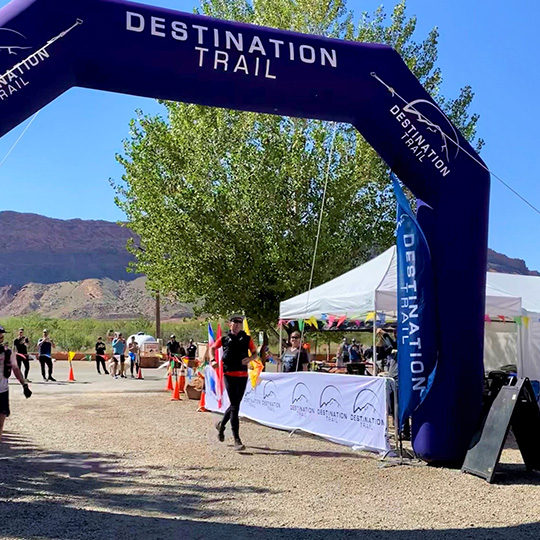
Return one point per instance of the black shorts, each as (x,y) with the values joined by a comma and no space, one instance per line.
(4,403)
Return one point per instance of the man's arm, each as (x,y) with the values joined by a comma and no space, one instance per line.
(17,371)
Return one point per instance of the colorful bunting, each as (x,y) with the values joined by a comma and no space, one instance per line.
(331,319)
(526,321)
(370,316)
(518,320)
(341,320)
(301,324)
(487,319)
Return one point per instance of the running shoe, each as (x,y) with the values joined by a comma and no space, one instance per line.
(221,435)
(238,446)
(52,379)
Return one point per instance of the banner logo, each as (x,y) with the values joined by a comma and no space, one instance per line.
(330,398)
(301,394)
(367,409)
(17,39)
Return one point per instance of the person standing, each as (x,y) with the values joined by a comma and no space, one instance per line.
(20,346)
(100,355)
(119,350)
(173,347)
(45,346)
(7,366)
(133,348)
(343,353)
(236,348)
(354,351)
(191,350)
(294,358)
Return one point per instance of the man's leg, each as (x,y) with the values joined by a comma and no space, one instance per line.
(238,388)
(42,363)
(26,362)
(50,366)
(98,361)
(2,420)
(4,410)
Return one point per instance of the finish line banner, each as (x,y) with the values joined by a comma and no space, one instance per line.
(346,409)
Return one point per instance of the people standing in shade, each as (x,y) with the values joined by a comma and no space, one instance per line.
(343,353)
(45,346)
(7,366)
(20,346)
(191,350)
(355,351)
(236,348)
(119,350)
(100,355)
(294,358)
(133,350)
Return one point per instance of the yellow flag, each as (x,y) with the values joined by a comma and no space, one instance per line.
(370,316)
(246,330)
(313,321)
(255,370)
(71,355)
(526,321)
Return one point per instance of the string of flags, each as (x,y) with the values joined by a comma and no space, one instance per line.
(334,321)
(519,320)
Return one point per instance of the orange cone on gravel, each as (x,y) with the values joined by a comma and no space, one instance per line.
(139,374)
(176,393)
(202,403)
(169,383)
(71,376)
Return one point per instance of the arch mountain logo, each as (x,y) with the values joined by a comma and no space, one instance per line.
(367,409)
(331,398)
(12,41)
(301,394)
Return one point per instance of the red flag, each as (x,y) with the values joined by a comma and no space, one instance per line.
(341,320)
(219,370)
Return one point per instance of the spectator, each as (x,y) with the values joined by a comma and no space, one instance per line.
(133,356)
(173,347)
(45,346)
(355,352)
(20,344)
(294,358)
(6,367)
(191,350)
(119,350)
(343,353)
(100,355)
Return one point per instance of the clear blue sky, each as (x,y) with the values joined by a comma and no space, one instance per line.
(62,165)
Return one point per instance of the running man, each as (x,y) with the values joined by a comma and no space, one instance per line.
(20,346)
(100,355)
(236,347)
(45,345)
(119,349)
(6,367)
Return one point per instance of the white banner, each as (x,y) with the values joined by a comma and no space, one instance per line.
(347,409)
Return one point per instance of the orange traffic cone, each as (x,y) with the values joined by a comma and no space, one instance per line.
(71,377)
(169,383)
(176,393)
(182,383)
(202,403)
(139,374)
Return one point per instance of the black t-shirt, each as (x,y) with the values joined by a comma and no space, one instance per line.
(291,362)
(21,345)
(182,351)
(191,351)
(100,348)
(173,347)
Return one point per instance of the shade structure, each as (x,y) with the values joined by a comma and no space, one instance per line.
(373,287)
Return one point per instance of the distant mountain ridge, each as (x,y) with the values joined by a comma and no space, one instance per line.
(38,249)
(77,269)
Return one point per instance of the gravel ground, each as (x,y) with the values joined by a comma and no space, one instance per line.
(124,461)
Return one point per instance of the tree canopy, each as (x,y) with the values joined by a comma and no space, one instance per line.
(226,203)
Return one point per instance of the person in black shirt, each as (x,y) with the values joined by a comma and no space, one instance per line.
(100,355)
(191,350)
(20,344)
(173,347)
(294,357)
(45,345)
(236,348)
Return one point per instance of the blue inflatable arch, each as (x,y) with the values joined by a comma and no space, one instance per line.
(49,46)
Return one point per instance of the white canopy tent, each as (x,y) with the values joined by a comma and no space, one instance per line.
(372,287)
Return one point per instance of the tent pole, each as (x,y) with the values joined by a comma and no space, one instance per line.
(280,346)
(374,344)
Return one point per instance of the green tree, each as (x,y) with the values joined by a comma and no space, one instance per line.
(226,203)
